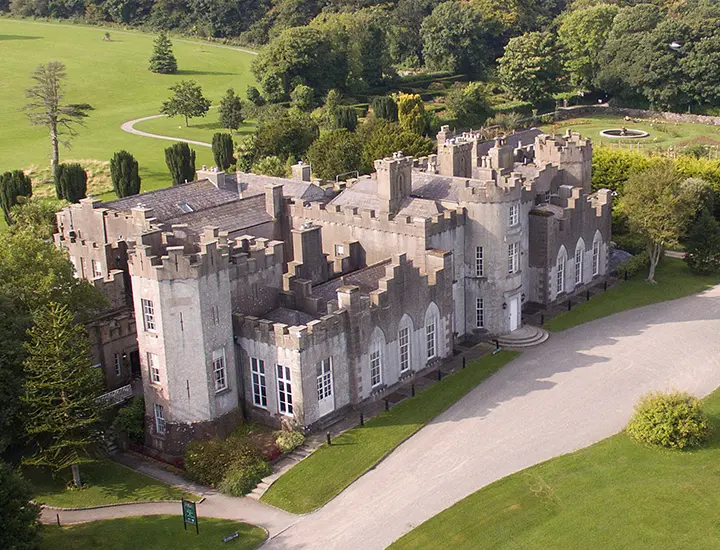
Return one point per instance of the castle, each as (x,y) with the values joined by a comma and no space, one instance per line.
(276,299)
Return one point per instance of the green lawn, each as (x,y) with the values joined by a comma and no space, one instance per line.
(682,134)
(674,280)
(112,77)
(200,129)
(616,494)
(325,473)
(152,533)
(107,483)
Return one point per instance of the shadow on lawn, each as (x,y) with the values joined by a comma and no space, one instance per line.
(18,37)
(191,72)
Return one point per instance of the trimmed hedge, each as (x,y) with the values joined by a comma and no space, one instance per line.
(674,420)
(633,265)
(208,462)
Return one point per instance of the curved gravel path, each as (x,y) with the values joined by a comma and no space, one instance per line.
(129,127)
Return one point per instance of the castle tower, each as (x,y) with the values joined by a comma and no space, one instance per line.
(394,180)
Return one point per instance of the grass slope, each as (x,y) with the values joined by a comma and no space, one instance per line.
(674,280)
(107,483)
(330,469)
(200,129)
(616,494)
(152,533)
(111,76)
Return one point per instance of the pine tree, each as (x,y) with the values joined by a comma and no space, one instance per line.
(72,180)
(162,60)
(385,107)
(63,416)
(124,174)
(231,111)
(222,148)
(180,160)
(13,185)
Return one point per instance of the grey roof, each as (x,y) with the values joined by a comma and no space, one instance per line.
(198,195)
(255,183)
(555,210)
(231,217)
(518,139)
(290,317)
(366,278)
(437,187)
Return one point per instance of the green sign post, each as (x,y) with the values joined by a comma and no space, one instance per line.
(189,511)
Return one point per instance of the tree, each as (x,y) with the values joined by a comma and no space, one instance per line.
(530,69)
(302,55)
(254,96)
(222,148)
(703,244)
(46,108)
(303,97)
(458,39)
(287,136)
(335,153)
(231,111)
(344,116)
(73,182)
(37,216)
(162,60)
(467,103)
(385,107)
(659,205)
(187,100)
(61,392)
(411,113)
(582,34)
(270,166)
(180,160)
(124,172)
(381,139)
(13,185)
(21,517)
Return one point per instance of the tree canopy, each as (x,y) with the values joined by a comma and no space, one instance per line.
(187,100)
(530,69)
(163,60)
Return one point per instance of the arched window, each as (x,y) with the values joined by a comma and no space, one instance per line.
(405,330)
(432,327)
(579,254)
(560,277)
(377,346)
(597,242)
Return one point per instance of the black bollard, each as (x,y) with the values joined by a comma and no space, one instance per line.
(569,305)
(439,375)
(626,276)
(412,390)
(605,285)
(542,319)
(587,296)
(463,362)
(362,419)
(497,345)
(58,519)
(387,404)
(328,438)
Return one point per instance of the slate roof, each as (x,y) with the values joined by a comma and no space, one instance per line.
(518,139)
(255,184)
(231,217)
(199,195)
(291,317)
(367,279)
(437,187)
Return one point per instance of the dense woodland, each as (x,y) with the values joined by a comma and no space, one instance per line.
(533,48)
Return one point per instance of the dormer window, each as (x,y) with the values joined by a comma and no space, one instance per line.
(185,207)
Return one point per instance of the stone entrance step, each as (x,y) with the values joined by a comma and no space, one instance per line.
(524,337)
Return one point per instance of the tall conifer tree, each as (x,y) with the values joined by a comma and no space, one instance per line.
(163,60)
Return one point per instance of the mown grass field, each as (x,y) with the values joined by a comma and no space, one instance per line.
(200,129)
(324,474)
(616,494)
(112,77)
(675,135)
(107,482)
(152,533)
(674,280)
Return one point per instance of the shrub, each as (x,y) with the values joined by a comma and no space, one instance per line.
(240,479)
(633,265)
(131,420)
(674,420)
(506,121)
(289,441)
(207,461)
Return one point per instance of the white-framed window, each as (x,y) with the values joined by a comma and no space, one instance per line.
(480,312)
(479,267)
(324,379)
(431,337)
(579,265)
(547,196)
(285,401)
(118,364)
(159,411)
(596,257)
(404,346)
(561,273)
(148,311)
(153,368)
(513,257)
(259,385)
(339,249)
(97,269)
(219,370)
(514,215)
(375,368)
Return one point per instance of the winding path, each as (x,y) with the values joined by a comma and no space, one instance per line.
(129,127)
(574,390)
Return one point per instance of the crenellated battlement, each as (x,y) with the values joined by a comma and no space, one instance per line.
(373,219)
